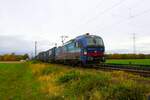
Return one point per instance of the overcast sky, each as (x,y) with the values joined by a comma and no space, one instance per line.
(24,21)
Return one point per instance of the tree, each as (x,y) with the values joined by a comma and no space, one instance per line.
(25,56)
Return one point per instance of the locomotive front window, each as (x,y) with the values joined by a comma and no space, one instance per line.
(96,41)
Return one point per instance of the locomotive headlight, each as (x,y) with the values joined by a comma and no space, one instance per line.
(85,52)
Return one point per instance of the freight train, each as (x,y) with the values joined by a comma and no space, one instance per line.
(85,49)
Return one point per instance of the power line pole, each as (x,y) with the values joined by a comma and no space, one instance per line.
(35,48)
(63,39)
(55,44)
(134,43)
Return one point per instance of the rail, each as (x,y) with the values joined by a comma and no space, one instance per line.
(142,70)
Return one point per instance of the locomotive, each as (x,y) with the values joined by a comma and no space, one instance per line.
(85,49)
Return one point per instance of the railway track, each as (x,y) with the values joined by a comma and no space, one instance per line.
(142,70)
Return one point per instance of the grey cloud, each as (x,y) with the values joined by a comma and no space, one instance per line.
(46,20)
(15,43)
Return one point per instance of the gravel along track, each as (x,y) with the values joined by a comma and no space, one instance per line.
(135,69)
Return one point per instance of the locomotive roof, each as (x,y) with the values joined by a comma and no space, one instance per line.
(86,35)
(50,49)
(72,40)
(80,37)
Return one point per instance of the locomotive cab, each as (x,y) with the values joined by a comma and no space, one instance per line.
(92,49)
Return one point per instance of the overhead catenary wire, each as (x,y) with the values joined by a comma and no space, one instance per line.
(129,18)
(126,19)
(106,10)
(95,7)
(109,9)
(130,8)
(103,12)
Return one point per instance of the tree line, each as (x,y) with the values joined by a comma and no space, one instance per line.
(127,56)
(13,57)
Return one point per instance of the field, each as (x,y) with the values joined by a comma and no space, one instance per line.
(17,82)
(129,61)
(38,81)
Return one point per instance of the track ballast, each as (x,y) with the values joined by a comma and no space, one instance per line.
(142,70)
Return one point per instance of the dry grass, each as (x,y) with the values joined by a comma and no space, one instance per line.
(48,84)
(50,87)
(36,68)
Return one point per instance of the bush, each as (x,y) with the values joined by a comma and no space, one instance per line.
(13,57)
(49,70)
(86,84)
(127,56)
(90,86)
(72,75)
(126,91)
(34,62)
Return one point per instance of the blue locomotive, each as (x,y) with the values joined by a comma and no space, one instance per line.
(84,49)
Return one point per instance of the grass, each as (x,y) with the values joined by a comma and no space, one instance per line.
(72,75)
(86,85)
(129,61)
(38,81)
(69,83)
(17,83)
